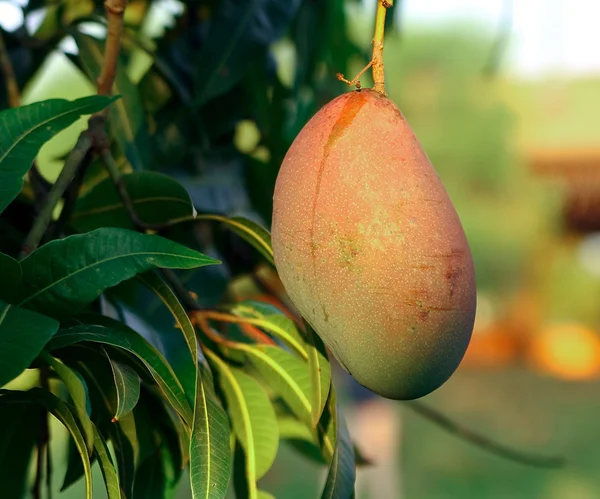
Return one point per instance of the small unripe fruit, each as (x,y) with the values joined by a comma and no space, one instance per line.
(371,250)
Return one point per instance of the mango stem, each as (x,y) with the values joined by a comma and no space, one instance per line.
(377,59)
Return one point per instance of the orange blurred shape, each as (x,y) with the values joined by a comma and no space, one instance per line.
(570,351)
(491,347)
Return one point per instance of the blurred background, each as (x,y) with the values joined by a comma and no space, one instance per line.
(505,98)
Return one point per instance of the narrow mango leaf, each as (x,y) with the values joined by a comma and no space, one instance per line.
(121,336)
(320,374)
(17,445)
(10,277)
(124,438)
(24,130)
(210,460)
(65,275)
(281,327)
(253,419)
(111,479)
(127,383)
(301,438)
(342,473)
(23,334)
(250,231)
(126,118)
(157,199)
(78,391)
(61,411)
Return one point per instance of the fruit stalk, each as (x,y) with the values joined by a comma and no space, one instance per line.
(377,60)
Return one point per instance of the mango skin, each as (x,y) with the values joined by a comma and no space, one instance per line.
(370,249)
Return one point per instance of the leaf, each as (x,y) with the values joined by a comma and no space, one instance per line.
(78,391)
(237,34)
(24,130)
(127,383)
(250,231)
(23,334)
(300,437)
(157,199)
(210,461)
(126,118)
(10,272)
(253,419)
(320,374)
(111,479)
(17,445)
(123,337)
(64,275)
(61,411)
(342,473)
(265,495)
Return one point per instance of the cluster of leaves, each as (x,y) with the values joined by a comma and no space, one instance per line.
(147,385)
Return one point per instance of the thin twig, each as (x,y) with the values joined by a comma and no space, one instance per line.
(72,164)
(484,442)
(12,87)
(114,15)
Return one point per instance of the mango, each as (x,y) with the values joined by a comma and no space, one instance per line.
(370,248)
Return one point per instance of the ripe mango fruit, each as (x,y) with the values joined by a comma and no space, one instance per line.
(370,249)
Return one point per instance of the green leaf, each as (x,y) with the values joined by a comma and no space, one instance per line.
(10,271)
(23,334)
(64,275)
(278,325)
(78,391)
(17,445)
(287,375)
(127,383)
(253,419)
(121,336)
(257,236)
(111,479)
(320,374)
(157,199)
(24,130)
(265,495)
(342,472)
(126,118)
(210,461)
(300,437)
(61,411)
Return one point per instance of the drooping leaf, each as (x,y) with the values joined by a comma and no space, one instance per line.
(63,276)
(121,336)
(17,445)
(157,199)
(257,236)
(342,472)
(320,374)
(301,438)
(210,461)
(10,277)
(253,419)
(127,383)
(24,130)
(61,411)
(126,118)
(111,479)
(78,391)
(23,334)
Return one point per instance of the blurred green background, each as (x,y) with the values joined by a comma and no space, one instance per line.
(506,103)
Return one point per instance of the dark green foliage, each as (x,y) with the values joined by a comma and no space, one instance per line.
(100,305)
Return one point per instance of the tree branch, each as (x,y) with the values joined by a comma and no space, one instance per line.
(12,88)
(114,16)
(484,442)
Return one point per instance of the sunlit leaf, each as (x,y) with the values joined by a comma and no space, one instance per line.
(23,334)
(63,276)
(320,374)
(24,130)
(252,417)
(257,236)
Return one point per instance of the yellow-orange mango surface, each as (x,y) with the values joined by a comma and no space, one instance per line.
(371,250)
